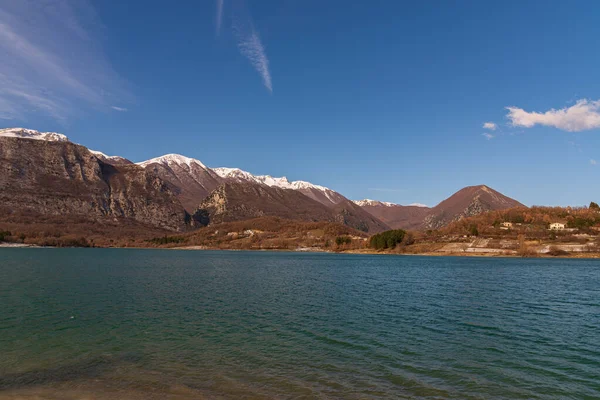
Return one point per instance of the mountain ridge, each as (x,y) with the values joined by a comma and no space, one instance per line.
(193,184)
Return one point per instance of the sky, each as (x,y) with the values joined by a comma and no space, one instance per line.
(397,101)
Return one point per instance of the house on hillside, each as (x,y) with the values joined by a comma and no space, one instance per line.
(506,225)
(557,226)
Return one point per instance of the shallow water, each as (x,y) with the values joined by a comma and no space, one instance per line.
(145,324)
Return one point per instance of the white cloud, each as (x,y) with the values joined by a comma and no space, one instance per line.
(490,125)
(219,15)
(122,109)
(593,162)
(584,115)
(250,45)
(51,63)
(488,135)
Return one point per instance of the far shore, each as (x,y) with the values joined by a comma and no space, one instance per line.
(486,254)
(19,245)
(582,255)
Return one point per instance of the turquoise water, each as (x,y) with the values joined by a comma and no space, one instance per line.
(145,324)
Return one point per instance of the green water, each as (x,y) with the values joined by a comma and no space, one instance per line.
(151,324)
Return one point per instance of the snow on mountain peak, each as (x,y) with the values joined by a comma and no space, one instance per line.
(107,157)
(369,202)
(234,173)
(169,159)
(283,182)
(33,134)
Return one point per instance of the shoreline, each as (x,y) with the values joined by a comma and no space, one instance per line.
(483,254)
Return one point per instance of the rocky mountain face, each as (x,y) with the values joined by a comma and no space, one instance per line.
(235,201)
(251,196)
(58,178)
(319,193)
(344,211)
(189,179)
(467,202)
(44,174)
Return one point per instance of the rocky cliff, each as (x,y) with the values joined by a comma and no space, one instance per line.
(54,178)
(235,201)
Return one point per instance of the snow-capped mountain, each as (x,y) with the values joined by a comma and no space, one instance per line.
(190,178)
(116,160)
(373,203)
(418,205)
(395,215)
(33,134)
(319,193)
(227,193)
(283,182)
(369,202)
(173,159)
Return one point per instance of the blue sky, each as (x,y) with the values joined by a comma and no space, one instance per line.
(375,99)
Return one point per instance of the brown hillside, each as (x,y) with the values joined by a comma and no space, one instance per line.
(65,179)
(240,201)
(467,202)
(398,216)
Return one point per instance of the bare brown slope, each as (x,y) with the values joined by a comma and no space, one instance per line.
(327,197)
(235,201)
(398,216)
(353,215)
(190,183)
(272,233)
(467,202)
(65,179)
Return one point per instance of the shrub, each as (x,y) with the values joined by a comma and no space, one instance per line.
(555,252)
(387,239)
(408,239)
(167,240)
(4,235)
(342,240)
(473,231)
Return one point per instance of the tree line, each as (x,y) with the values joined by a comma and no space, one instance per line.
(387,239)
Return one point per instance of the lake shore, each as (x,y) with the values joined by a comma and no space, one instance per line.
(484,252)
(487,254)
(19,245)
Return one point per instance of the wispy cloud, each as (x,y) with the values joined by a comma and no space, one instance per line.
(219,18)
(122,109)
(490,125)
(488,135)
(593,162)
(250,45)
(584,115)
(252,48)
(51,62)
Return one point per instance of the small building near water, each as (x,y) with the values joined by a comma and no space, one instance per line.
(557,226)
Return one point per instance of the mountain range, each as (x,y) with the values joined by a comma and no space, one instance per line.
(44,174)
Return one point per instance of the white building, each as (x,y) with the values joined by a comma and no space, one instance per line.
(506,225)
(557,226)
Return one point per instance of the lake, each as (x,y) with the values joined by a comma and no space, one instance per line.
(165,324)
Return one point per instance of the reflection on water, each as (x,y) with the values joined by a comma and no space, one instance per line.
(141,324)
